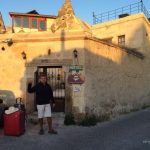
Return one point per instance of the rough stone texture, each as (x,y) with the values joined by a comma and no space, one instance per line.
(132,27)
(16,72)
(116,82)
(67,20)
(123,80)
(2,26)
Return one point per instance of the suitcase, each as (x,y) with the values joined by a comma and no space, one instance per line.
(19,104)
(14,123)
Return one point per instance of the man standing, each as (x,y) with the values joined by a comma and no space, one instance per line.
(43,96)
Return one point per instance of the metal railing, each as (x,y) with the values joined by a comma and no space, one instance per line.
(126,10)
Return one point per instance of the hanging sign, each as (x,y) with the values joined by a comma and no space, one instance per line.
(76,78)
(76,68)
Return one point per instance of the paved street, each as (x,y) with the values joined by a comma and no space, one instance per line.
(129,132)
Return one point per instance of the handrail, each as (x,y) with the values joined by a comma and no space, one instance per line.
(126,10)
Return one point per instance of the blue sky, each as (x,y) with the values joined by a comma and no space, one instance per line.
(83,8)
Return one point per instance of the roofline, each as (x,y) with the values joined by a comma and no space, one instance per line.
(121,20)
(31,15)
(130,51)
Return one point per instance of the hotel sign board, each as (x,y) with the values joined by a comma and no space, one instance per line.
(76,68)
(75,74)
(76,79)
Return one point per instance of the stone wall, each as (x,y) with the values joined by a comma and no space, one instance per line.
(16,72)
(132,27)
(116,82)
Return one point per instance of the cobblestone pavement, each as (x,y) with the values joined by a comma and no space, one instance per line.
(128,132)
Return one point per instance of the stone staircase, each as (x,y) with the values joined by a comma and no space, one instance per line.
(57,119)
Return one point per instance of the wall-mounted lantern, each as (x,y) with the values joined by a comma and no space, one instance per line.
(75,53)
(24,55)
(49,52)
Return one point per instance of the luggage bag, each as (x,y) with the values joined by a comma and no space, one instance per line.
(14,123)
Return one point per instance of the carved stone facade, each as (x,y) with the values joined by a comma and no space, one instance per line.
(2,26)
(66,20)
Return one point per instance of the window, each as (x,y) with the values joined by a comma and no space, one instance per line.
(25,22)
(34,23)
(121,40)
(42,25)
(17,22)
(30,22)
(21,22)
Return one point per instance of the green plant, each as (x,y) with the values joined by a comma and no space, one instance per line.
(88,120)
(69,119)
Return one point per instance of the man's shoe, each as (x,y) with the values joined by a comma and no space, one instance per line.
(52,131)
(41,132)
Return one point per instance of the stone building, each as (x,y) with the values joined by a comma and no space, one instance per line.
(115,78)
(2,27)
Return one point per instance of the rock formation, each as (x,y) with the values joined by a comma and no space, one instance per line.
(66,19)
(2,26)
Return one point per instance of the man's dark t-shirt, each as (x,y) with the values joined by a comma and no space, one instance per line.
(43,92)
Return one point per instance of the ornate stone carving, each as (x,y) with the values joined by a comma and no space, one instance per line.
(2,27)
(66,19)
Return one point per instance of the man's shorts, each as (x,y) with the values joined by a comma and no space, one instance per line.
(44,111)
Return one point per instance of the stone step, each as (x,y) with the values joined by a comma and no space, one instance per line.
(57,119)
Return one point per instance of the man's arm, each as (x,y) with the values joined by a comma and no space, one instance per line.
(30,88)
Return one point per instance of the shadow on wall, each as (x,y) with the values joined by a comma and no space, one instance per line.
(109,86)
(31,70)
(115,80)
(115,87)
(30,74)
(137,39)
